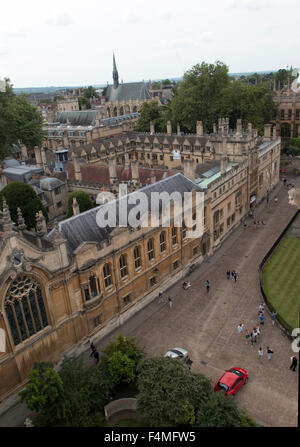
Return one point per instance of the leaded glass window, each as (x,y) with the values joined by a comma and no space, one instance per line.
(25,309)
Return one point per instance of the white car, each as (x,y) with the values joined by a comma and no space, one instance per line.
(179,353)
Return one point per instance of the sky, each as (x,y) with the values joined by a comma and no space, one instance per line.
(70,42)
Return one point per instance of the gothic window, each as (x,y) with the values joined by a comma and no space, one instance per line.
(174,236)
(216,218)
(162,241)
(151,249)
(25,309)
(137,257)
(107,275)
(123,266)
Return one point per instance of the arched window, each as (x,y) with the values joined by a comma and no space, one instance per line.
(137,257)
(151,249)
(107,275)
(174,236)
(162,241)
(123,266)
(25,308)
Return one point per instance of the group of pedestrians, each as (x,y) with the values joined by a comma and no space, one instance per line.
(232,274)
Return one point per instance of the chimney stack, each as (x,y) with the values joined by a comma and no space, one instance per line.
(135,171)
(199,129)
(152,177)
(112,166)
(24,153)
(223,164)
(267,132)
(274,135)
(189,169)
(169,128)
(126,164)
(249,127)
(178,129)
(37,154)
(152,128)
(239,127)
(75,207)
(77,170)
(214,128)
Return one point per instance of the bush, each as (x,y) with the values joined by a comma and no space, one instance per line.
(83,200)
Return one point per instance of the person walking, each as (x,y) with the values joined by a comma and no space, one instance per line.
(93,348)
(261,308)
(240,328)
(273,317)
(96,355)
(257,332)
(170,302)
(207,285)
(235,275)
(269,353)
(247,336)
(275,200)
(228,274)
(260,353)
(262,319)
(294,362)
(252,339)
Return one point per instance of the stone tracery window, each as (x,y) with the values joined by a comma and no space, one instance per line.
(25,308)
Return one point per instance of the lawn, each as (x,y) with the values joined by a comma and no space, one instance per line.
(281,281)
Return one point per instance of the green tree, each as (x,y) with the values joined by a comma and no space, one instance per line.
(83,199)
(218,410)
(84,391)
(90,92)
(44,392)
(156,85)
(127,346)
(169,394)
(121,368)
(84,103)
(282,76)
(20,195)
(198,96)
(252,103)
(19,121)
(150,111)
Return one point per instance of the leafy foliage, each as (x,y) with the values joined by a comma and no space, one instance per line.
(121,368)
(83,199)
(85,389)
(151,111)
(169,394)
(90,92)
(22,195)
(19,121)
(198,96)
(127,346)
(218,411)
(84,103)
(44,392)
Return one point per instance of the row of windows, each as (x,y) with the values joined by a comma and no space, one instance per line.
(92,288)
(283,114)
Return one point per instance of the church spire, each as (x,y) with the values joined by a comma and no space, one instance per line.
(115,73)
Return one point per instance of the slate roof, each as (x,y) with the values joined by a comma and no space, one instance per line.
(84,228)
(77,118)
(127,91)
(100,174)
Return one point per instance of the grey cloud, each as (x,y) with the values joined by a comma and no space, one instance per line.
(60,20)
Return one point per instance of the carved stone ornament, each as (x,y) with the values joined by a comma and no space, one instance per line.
(17,258)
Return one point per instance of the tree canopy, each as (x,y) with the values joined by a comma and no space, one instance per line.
(19,122)
(84,103)
(90,92)
(83,199)
(21,195)
(151,111)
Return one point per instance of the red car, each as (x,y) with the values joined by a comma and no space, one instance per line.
(231,381)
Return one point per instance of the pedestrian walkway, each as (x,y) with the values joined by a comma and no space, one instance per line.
(206,323)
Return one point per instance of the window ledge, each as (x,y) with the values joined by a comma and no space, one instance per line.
(93,302)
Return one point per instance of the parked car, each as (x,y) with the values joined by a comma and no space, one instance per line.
(231,381)
(181,354)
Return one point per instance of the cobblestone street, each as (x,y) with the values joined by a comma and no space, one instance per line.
(206,323)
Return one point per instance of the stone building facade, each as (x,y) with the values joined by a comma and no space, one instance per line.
(59,290)
(288,119)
